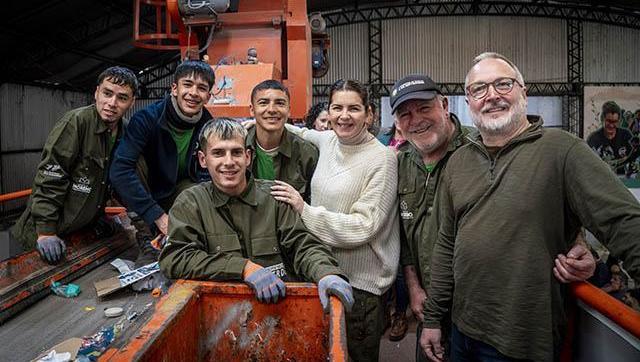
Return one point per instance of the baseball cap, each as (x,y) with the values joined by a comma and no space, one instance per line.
(414,86)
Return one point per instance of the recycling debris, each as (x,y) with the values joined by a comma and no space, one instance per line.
(65,290)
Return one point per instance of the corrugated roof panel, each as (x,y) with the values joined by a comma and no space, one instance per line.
(348,55)
(28,113)
(445,46)
(611,53)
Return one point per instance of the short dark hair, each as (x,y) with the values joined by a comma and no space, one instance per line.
(197,69)
(269,84)
(313,113)
(353,86)
(610,107)
(120,76)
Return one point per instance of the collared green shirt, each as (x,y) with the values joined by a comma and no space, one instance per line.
(213,235)
(416,193)
(71,184)
(294,164)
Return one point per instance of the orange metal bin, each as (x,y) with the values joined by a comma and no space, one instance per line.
(211,321)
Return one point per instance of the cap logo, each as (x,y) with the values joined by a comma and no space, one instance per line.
(410,83)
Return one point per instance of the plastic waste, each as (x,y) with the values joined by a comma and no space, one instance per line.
(65,290)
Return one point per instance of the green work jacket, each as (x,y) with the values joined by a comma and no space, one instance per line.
(213,235)
(71,184)
(416,193)
(294,164)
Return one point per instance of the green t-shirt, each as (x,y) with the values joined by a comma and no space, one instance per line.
(113,135)
(429,167)
(265,169)
(182,138)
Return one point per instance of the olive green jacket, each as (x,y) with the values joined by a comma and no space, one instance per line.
(295,163)
(71,184)
(416,192)
(504,220)
(213,235)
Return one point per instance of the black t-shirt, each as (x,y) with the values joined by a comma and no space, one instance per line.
(614,151)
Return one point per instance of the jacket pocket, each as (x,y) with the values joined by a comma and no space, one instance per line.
(266,252)
(265,246)
(224,244)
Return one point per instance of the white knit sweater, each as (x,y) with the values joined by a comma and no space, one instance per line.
(354,208)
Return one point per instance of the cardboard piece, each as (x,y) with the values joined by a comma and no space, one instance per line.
(108,286)
(71,345)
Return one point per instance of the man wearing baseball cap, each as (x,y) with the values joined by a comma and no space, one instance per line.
(421,112)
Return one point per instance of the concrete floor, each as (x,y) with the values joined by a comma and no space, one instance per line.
(54,319)
(401,351)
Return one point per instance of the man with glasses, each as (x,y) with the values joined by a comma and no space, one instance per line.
(610,142)
(509,203)
(422,113)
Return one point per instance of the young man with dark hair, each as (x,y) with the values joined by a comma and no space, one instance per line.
(164,135)
(611,142)
(231,228)
(278,154)
(71,184)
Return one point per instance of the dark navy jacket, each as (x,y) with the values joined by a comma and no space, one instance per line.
(148,135)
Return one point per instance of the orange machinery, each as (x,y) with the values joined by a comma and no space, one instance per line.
(245,41)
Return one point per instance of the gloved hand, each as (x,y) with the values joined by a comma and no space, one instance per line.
(268,287)
(51,248)
(333,284)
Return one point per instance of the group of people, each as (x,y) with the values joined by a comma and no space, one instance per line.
(482,222)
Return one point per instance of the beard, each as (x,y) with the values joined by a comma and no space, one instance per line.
(504,124)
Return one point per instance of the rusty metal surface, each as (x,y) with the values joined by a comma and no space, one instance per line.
(210,321)
(26,278)
(53,319)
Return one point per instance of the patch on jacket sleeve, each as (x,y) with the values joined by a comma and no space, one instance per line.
(52,170)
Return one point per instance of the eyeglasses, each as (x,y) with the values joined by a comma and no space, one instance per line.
(501,85)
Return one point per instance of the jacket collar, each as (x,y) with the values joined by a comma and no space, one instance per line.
(102,127)
(248,196)
(533,131)
(284,148)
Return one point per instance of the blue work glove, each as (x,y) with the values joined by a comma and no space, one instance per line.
(333,284)
(267,286)
(51,248)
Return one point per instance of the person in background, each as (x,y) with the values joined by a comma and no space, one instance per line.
(354,210)
(611,142)
(71,186)
(398,298)
(318,117)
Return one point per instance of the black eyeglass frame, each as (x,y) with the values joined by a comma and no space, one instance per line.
(486,90)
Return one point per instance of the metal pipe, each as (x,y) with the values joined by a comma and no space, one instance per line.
(610,307)
(15,195)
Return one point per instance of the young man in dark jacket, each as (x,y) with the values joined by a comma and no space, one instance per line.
(71,184)
(164,135)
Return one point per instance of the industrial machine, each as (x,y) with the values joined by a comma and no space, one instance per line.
(245,42)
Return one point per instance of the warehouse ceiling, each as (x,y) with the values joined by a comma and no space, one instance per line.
(67,43)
